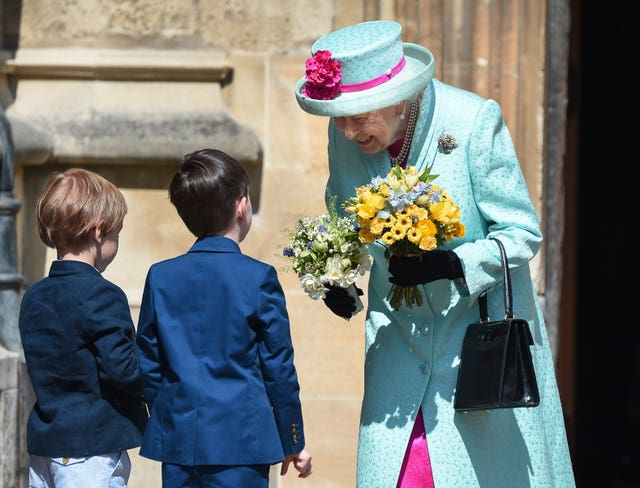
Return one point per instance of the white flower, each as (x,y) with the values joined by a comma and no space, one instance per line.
(313,286)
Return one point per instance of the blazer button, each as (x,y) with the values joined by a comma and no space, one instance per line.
(65,461)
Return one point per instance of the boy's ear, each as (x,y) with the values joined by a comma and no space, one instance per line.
(241,208)
(97,233)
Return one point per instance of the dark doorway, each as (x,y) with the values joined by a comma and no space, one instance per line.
(607,333)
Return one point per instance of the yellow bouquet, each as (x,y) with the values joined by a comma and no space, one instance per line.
(409,214)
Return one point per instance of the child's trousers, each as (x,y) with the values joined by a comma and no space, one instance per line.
(215,476)
(105,471)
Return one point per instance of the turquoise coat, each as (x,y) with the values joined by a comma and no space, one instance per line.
(412,355)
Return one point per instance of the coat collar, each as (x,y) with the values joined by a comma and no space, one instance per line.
(61,267)
(215,244)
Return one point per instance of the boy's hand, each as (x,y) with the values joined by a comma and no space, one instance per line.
(301,461)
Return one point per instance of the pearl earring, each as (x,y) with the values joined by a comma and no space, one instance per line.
(402,116)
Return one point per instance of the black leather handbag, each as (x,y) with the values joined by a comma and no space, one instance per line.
(496,369)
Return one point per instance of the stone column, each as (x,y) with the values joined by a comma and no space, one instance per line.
(12,454)
(10,280)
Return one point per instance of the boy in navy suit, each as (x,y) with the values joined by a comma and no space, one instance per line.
(215,346)
(79,342)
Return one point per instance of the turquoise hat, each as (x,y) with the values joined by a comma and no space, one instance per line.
(361,68)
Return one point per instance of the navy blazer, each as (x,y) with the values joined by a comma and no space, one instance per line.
(217,360)
(79,346)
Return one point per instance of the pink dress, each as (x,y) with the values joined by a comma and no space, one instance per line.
(416,467)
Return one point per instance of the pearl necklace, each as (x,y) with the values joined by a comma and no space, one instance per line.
(406,143)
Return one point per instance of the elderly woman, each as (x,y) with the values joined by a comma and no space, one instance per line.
(386,108)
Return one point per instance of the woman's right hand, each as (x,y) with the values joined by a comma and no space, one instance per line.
(339,301)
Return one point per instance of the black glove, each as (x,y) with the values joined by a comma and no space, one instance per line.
(340,302)
(425,268)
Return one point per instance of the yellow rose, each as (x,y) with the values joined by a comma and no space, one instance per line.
(374,199)
(366,211)
(419,213)
(427,227)
(377,226)
(428,243)
(365,236)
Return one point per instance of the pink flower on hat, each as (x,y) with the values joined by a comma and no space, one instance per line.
(323,77)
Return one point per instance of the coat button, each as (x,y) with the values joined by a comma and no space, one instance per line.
(65,461)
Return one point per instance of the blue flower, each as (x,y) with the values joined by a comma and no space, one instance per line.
(287,251)
(400,200)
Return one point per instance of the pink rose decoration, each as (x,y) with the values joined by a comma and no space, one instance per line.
(323,77)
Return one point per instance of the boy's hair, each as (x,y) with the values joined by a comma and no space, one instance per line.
(73,203)
(206,189)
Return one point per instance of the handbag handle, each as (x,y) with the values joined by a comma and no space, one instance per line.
(508,297)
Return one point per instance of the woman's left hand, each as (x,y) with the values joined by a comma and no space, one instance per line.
(427,267)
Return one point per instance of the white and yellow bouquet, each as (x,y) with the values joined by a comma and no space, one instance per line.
(409,214)
(326,250)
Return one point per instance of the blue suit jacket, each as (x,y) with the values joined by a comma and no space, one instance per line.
(217,360)
(79,346)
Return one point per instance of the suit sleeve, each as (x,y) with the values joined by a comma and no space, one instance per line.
(276,355)
(148,346)
(112,334)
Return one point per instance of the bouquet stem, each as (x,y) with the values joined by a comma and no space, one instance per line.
(410,295)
